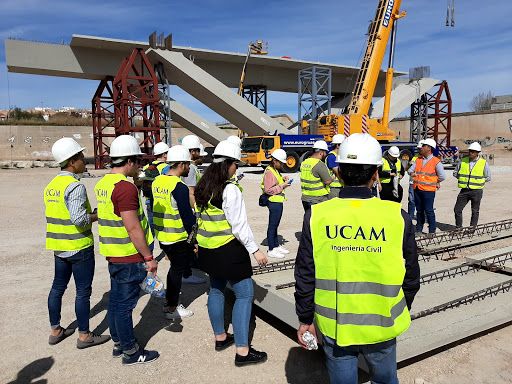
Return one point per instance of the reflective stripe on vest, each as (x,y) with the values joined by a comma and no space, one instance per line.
(336,183)
(274,198)
(61,233)
(167,222)
(471,178)
(359,270)
(310,184)
(387,167)
(426,176)
(114,238)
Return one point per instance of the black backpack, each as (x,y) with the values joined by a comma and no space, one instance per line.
(151,172)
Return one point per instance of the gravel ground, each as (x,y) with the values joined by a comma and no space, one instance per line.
(186,348)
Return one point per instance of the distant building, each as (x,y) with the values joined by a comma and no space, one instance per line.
(501,102)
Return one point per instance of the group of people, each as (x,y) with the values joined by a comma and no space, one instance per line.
(209,223)
(354,249)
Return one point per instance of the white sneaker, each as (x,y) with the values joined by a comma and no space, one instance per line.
(275,254)
(179,313)
(283,250)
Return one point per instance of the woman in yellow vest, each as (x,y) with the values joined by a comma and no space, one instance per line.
(273,184)
(472,173)
(68,235)
(225,242)
(353,287)
(390,174)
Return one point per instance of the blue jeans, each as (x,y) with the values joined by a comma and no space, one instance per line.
(275,212)
(81,266)
(124,294)
(244,293)
(411,206)
(425,207)
(342,362)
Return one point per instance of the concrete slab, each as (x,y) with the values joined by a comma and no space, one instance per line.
(507,266)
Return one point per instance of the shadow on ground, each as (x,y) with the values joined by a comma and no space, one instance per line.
(34,370)
(445,227)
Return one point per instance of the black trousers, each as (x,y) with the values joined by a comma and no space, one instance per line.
(180,254)
(466,195)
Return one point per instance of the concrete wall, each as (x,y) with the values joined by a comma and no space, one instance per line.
(492,129)
(33,142)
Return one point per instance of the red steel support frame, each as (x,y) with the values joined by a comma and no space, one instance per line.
(440,109)
(131,104)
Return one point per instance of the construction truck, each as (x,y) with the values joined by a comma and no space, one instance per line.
(356,119)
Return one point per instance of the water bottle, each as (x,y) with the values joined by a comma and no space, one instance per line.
(153,285)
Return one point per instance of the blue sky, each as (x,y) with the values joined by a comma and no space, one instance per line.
(474,56)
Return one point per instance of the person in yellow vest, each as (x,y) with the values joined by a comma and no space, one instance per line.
(68,235)
(273,184)
(225,243)
(472,173)
(427,173)
(390,175)
(411,206)
(333,166)
(148,174)
(357,271)
(125,240)
(174,221)
(315,177)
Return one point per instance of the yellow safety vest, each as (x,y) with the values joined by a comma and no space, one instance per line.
(61,233)
(114,238)
(198,175)
(336,182)
(167,222)
(386,166)
(213,229)
(359,270)
(471,178)
(274,198)
(310,184)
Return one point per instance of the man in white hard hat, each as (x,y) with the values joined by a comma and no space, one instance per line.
(125,240)
(148,174)
(427,173)
(68,234)
(353,289)
(273,184)
(411,206)
(390,174)
(174,221)
(315,177)
(333,166)
(472,173)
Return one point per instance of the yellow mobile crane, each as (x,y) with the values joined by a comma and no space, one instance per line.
(356,118)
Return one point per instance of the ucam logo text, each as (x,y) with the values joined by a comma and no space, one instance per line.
(349,232)
(52,192)
(388,13)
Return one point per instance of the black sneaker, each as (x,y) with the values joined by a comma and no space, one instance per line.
(253,357)
(140,357)
(117,351)
(222,345)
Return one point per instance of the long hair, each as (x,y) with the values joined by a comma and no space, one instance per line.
(212,183)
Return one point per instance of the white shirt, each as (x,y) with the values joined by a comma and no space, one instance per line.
(234,209)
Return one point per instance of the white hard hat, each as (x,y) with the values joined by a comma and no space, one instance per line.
(235,140)
(430,143)
(191,142)
(475,147)
(160,148)
(320,144)
(279,154)
(360,148)
(226,149)
(202,152)
(420,144)
(394,151)
(124,146)
(338,139)
(178,154)
(65,148)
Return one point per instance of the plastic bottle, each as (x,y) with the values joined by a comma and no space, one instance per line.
(153,285)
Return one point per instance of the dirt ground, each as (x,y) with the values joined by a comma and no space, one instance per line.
(186,348)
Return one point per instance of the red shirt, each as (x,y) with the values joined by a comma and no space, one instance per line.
(125,197)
